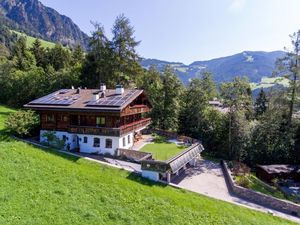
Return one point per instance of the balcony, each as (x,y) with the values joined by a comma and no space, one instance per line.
(110,131)
(135,126)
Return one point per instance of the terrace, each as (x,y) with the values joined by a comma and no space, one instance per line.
(162,148)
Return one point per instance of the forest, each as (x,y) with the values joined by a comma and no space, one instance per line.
(261,129)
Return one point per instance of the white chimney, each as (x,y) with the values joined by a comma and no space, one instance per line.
(72,87)
(119,90)
(95,97)
(102,87)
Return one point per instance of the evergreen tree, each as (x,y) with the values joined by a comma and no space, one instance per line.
(237,96)
(152,84)
(77,56)
(209,86)
(58,57)
(39,53)
(195,101)
(22,58)
(126,67)
(289,66)
(98,66)
(261,102)
(171,102)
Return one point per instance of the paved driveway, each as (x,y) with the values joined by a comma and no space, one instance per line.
(207,178)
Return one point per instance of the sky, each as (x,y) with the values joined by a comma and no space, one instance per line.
(192,30)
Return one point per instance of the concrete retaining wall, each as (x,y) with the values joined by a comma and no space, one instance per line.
(260,198)
(133,155)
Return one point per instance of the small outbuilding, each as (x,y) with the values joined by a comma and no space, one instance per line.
(269,172)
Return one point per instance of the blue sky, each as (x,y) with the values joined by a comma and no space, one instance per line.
(190,30)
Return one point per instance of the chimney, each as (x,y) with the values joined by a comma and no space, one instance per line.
(119,90)
(95,96)
(72,87)
(102,87)
(78,90)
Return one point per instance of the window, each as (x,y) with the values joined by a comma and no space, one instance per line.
(128,139)
(124,141)
(85,139)
(100,121)
(96,142)
(74,120)
(108,143)
(50,118)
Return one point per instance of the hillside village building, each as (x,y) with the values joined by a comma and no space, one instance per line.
(94,120)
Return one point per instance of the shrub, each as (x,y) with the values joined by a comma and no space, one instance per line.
(243,181)
(22,123)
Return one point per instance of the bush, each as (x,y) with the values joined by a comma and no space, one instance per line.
(243,181)
(22,123)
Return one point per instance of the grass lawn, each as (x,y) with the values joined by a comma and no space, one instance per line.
(30,40)
(161,149)
(46,187)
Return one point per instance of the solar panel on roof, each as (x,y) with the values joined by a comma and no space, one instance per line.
(114,100)
(56,99)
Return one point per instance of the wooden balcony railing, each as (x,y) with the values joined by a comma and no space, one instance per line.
(110,131)
(135,125)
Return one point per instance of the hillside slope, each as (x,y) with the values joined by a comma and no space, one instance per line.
(46,187)
(35,19)
(253,64)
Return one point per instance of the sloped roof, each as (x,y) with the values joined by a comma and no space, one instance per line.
(280,168)
(71,99)
(183,158)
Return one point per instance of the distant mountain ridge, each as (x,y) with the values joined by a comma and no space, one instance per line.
(253,64)
(35,19)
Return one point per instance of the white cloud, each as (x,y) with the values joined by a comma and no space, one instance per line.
(236,5)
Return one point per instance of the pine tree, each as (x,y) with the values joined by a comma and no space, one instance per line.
(290,67)
(152,84)
(261,103)
(209,86)
(237,96)
(98,65)
(126,67)
(22,58)
(39,53)
(171,102)
(77,56)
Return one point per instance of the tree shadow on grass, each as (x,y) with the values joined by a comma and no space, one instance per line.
(5,136)
(139,179)
(5,113)
(55,152)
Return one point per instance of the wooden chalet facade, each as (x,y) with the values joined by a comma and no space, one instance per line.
(94,120)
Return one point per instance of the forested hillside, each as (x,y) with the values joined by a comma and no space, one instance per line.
(35,19)
(252,64)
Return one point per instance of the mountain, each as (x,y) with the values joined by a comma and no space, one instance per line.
(253,64)
(35,19)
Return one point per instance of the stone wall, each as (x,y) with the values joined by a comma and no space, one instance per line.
(133,155)
(260,198)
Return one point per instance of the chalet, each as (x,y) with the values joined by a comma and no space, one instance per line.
(94,120)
